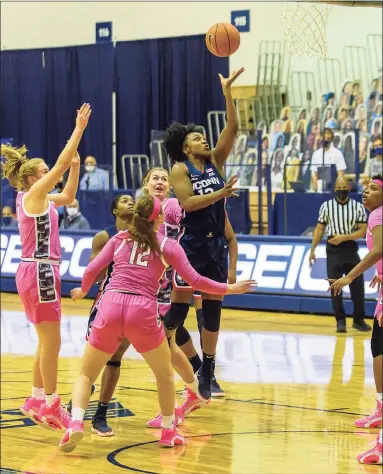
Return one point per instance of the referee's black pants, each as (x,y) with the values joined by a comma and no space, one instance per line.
(341,259)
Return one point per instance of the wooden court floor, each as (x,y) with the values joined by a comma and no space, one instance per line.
(293,389)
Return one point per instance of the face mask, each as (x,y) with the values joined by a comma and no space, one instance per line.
(7,220)
(90,168)
(326,143)
(378,150)
(342,194)
(72,211)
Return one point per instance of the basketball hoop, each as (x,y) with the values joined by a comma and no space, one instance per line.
(305,28)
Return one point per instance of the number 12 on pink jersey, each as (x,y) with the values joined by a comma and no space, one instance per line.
(138,259)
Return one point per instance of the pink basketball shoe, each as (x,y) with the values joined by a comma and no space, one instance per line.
(157,421)
(72,436)
(170,437)
(371,421)
(31,408)
(55,415)
(193,402)
(372,455)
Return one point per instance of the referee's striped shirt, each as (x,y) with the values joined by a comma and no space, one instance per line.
(342,219)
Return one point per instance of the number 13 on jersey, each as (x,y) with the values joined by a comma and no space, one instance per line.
(205,191)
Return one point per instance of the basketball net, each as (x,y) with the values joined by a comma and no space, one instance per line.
(305,28)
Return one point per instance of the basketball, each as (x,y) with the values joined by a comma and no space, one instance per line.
(222,39)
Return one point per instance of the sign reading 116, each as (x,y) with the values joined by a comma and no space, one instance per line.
(104,32)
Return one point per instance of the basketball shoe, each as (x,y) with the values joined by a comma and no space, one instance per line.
(73,434)
(31,408)
(373,455)
(371,421)
(170,437)
(157,421)
(55,415)
(193,402)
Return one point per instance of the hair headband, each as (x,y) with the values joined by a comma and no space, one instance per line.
(379,182)
(157,206)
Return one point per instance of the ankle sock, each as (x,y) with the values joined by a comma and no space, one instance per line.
(50,399)
(168,421)
(38,393)
(78,414)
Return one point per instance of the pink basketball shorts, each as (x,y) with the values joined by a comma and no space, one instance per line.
(39,287)
(121,315)
(379,306)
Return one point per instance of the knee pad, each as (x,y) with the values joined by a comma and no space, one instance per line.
(211,314)
(377,340)
(114,363)
(176,315)
(182,335)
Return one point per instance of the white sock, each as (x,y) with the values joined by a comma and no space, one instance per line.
(379,397)
(167,421)
(381,436)
(50,399)
(38,393)
(193,386)
(78,413)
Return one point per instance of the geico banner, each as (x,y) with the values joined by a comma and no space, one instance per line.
(75,254)
(279,265)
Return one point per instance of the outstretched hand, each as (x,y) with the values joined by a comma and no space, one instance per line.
(337,285)
(83,116)
(227,82)
(230,187)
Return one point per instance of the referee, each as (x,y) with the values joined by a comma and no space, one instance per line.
(345,221)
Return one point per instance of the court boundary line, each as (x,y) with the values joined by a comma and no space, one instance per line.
(111,457)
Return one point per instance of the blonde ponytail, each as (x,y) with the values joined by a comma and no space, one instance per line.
(16,167)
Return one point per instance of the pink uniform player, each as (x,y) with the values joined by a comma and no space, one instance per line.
(170,228)
(373,201)
(38,277)
(128,309)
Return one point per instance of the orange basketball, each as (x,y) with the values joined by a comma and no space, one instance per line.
(223,39)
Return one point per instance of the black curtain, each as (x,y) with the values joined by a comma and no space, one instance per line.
(161,80)
(41,91)
(156,81)
(22,99)
(73,76)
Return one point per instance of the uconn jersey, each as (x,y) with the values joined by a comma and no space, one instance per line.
(203,232)
(210,220)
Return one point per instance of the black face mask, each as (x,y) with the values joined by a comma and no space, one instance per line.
(342,194)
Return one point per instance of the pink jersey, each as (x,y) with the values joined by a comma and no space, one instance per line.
(375,218)
(139,271)
(173,214)
(39,232)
